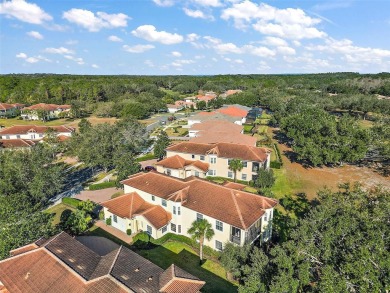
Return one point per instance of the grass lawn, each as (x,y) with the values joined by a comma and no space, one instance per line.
(57,210)
(182,255)
(180,131)
(284,184)
(15,121)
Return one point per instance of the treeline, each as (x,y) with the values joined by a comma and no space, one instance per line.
(337,244)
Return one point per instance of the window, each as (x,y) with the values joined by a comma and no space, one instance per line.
(219,225)
(149,229)
(164,229)
(196,173)
(174,210)
(213,160)
(193,156)
(218,245)
(115,219)
(199,216)
(17,136)
(243,177)
(202,158)
(265,217)
(271,214)
(179,229)
(173,227)
(164,202)
(229,160)
(40,135)
(212,173)
(245,164)
(153,198)
(7,136)
(168,172)
(178,211)
(230,174)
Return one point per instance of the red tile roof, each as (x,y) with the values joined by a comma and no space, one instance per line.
(177,162)
(5,106)
(24,129)
(234,185)
(205,98)
(223,150)
(47,107)
(16,143)
(175,280)
(238,208)
(130,205)
(233,111)
(64,264)
(217,126)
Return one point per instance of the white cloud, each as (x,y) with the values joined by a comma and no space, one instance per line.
(149,33)
(24,11)
(137,48)
(180,63)
(60,50)
(71,42)
(149,63)
(259,51)
(164,3)
(211,3)
(95,66)
(197,14)
(274,41)
(238,61)
(114,39)
(95,23)
(291,23)
(79,61)
(176,54)
(226,48)
(286,50)
(21,55)
(192,37)
(32,60)
(35,35)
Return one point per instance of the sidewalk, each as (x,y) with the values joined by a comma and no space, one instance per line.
(115,232)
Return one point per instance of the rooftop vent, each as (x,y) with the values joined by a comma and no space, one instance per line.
(136,270)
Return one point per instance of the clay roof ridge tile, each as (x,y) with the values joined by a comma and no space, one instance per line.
(238,209)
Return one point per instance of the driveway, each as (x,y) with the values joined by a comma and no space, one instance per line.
(98,196)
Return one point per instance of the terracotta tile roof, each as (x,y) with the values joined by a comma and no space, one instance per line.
(205,116)
(24,129)
(174,279)
(210,137)
(177,162)
(131,204)
(217,125)
(205,98)
(63,137)
(238,208)
(233,111)
(234,185)
(23,249)
(223,150)
(16,143)
(5,106)
(120,270)
(47,107)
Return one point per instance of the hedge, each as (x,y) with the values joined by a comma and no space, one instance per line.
(146,158)
(73,202)
(276,164)
(218,178)
(102,185)
(279,157)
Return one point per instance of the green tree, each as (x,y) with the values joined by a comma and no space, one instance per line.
(84,125)
(265,178)
(78,222)
(235,165)
(161,144)
(86,206)
(201,230)
(201,105)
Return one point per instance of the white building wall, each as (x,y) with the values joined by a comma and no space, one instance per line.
(31,135)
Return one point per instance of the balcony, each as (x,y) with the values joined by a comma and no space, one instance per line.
(235,239)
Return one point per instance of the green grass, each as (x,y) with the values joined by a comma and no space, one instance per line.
(180,131)
(248,128)
(146,157)
(15,121)
(73,202)
(116,194)
(57,211)
(284,185)
(180,254)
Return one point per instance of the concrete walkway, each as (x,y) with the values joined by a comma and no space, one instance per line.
(115,232)
(98,196)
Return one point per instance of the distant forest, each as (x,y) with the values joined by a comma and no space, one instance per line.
(122,95)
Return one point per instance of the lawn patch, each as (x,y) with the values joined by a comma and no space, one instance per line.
(57,210)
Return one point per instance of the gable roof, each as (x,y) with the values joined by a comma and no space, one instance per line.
(174,279)
(16,143)
(177,162)
(205,116)
(5,106)
(224,150)
(233,111)
(24,129)
(63,264)
(217,125)
(131,204)
(238,208)
(47,107)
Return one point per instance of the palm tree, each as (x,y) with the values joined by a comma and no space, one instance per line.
(235,165)
(199,230)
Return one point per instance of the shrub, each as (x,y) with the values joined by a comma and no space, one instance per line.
(108,221)
(275,164)
(73,202)
(102,185)
(101,215)
(128,231)
(146,158)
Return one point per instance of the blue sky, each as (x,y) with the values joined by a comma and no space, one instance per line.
(194,37)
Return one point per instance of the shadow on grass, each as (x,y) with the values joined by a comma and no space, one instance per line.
(186,260)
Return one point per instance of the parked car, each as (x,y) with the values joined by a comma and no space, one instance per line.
(150,168)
